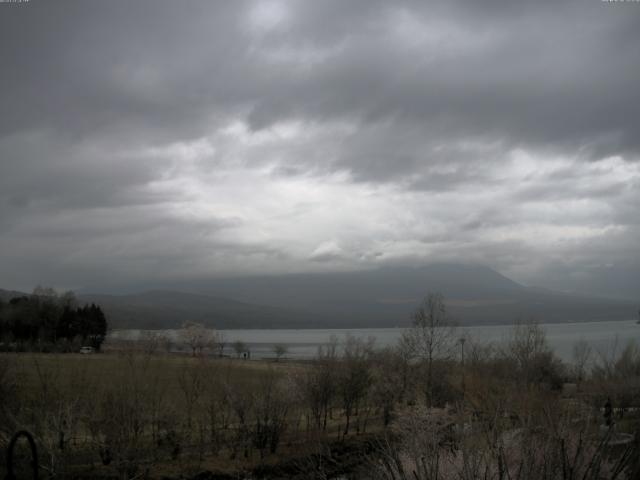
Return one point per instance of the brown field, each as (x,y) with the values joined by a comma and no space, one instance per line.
(181,388)
(65,369)
(356,412)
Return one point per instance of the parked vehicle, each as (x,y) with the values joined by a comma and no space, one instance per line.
(87,350)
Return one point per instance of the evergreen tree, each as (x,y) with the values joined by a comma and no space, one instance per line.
(49,317)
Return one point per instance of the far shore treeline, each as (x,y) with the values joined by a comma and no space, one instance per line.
(50,321)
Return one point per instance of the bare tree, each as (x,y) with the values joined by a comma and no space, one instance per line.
(192,383)
(388,381)
(120,417)
(415,448)
(534,360)
(280,350)
(241,403)
(317,384)
(271,404)
(559,444)
(197,337)
(165,342)
(217,408)
(150,342)
(403,355)
(432,335)
(219,343)
(528,339)
(581,355)
(354,378)
(239,347)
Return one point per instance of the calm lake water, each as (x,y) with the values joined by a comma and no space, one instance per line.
(604,337)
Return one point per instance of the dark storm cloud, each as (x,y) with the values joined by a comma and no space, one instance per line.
(200,127)
(562,75)
(552,73)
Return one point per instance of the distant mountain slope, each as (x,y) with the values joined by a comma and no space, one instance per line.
(6,295)
(388,296)
(454,281)
(385,297)
(169,309)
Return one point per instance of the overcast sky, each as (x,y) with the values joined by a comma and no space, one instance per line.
(147,141)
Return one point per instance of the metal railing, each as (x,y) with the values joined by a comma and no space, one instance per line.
(34,455)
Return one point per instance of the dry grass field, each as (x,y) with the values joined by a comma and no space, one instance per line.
(64,371)
(352,412)
(161,414)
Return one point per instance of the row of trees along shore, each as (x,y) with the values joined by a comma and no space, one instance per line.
(50,321)
(414,410)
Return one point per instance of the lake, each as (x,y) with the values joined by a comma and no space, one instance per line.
(603,337)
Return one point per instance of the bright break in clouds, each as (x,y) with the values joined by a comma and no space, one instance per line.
(177,140)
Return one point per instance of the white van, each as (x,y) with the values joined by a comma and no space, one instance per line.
(86,350)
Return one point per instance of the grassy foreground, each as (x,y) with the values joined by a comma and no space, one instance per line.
(135,415)
(353,412)
(66,372)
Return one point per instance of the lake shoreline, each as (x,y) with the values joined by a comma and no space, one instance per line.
(303,343)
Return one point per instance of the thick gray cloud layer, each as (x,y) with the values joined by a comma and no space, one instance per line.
(149,140)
